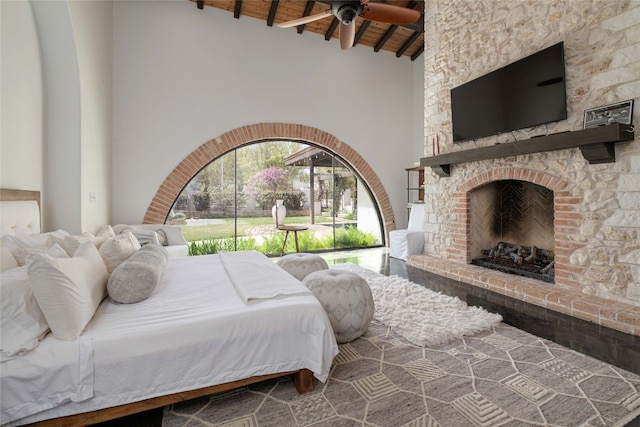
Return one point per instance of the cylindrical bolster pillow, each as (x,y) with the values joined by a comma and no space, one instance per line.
(135,279)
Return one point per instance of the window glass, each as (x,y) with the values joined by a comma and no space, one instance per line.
(248,198)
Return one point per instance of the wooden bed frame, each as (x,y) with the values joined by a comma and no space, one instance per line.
(303,379)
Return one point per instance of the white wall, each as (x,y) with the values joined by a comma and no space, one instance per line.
(183,76)
(21,111)
(56,107)
(62,179)
(180,77)
(92,27)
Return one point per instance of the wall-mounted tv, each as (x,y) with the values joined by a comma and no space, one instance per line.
(526,93)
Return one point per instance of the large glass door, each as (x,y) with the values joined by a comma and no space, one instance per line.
(231,204)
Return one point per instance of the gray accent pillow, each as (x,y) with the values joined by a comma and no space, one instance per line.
(135,278)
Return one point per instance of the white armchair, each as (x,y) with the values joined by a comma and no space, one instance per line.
(410,241)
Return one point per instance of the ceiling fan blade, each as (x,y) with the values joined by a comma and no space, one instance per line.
(347,34)
(305,19)
(389,14)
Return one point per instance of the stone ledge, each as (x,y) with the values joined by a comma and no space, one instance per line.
(618,315)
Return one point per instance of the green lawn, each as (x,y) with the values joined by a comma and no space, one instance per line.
(193,233)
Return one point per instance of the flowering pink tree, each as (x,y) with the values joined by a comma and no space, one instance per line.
(265,185)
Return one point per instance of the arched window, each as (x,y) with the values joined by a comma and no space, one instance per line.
(230,203)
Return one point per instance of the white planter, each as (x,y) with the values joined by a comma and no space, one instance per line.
(279,212)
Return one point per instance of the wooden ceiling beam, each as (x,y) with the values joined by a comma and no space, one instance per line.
(307,11)
(398,42)
(361,31)
(385,37)
(406,44)
(272,12)
(418,52)
(332,29)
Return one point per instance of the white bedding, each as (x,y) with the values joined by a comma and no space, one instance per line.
(257,284)
(194,331)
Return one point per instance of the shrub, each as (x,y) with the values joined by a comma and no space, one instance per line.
(292,199)
(213,246)
(264,186)
(347,237)
(201,201)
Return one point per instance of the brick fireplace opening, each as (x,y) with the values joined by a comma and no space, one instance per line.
(511,228)
(472,231)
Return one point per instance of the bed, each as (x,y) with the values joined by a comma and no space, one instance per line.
(212,323)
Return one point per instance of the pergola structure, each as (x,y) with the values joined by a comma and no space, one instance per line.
(312,157)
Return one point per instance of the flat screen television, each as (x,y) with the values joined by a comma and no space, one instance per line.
(526,93)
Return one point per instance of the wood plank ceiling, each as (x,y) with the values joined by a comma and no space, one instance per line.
(404,40)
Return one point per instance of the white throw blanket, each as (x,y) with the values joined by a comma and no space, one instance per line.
(253,283)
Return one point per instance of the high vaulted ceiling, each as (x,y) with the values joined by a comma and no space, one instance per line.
(403,40)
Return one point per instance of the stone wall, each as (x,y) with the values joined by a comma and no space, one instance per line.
(599,233)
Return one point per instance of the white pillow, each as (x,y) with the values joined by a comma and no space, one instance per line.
(7,260)
(69,243)
(121,228)
(29,240)
(106,232)
(68,290)
(55,251)
(22,324)
(103,235)
(117,249)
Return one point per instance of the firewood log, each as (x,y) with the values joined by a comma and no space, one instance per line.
(546,269)
(517,258)
(534,254)
(549,254)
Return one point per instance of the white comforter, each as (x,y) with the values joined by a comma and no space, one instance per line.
(194,331)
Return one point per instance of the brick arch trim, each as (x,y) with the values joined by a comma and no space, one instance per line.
(192,164)
(521,174)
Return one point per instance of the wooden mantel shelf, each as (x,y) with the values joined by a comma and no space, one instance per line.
(597,146)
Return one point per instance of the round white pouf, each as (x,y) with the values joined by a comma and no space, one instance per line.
(300,265)
(346,297)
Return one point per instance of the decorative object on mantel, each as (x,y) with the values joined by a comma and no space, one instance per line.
(621,112)
(596,144)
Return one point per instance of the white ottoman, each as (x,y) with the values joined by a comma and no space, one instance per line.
(346,297)
(300,265)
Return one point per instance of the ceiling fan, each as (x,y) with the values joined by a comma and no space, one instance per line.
(346,11)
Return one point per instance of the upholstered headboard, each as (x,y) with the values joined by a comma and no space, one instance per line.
(19,212)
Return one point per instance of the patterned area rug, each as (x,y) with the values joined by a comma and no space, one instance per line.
(499,377)
(420,315)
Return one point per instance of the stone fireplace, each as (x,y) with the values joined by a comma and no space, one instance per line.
(596,224)
(564,204)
